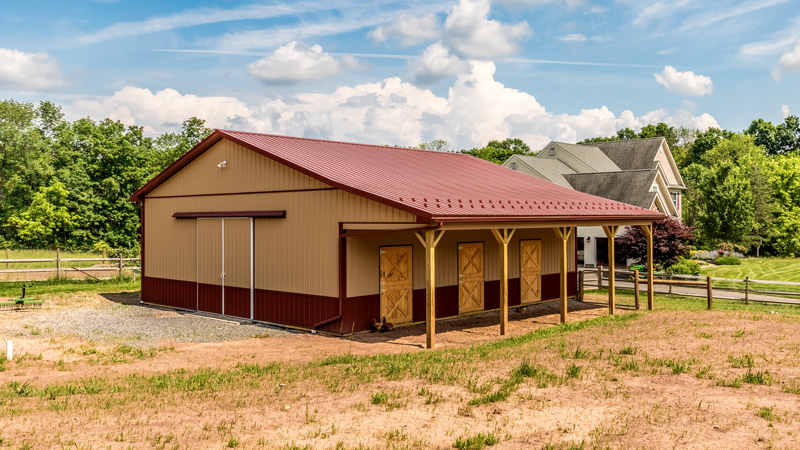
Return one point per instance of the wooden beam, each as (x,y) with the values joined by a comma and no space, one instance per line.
(503,237)
(636,288)
(564,233)
(429,240)
(611,231)
(648,231)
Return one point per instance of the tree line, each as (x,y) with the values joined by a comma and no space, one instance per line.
(67,184)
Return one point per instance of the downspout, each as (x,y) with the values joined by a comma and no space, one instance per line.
(343,269)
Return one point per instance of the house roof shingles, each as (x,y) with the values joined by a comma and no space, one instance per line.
(629,186)
(633,154)
(433,185)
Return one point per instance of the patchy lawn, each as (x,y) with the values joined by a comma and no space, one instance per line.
(677,377)
(771,269)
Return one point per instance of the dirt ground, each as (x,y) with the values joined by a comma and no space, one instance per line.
(664,379)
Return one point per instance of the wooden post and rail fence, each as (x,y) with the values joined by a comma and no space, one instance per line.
(691,281)
(63,267)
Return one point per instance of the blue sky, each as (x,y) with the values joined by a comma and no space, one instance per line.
(403,72)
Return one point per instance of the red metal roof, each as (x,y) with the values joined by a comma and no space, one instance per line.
(434,185)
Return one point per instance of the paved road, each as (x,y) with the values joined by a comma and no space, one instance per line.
(590,281)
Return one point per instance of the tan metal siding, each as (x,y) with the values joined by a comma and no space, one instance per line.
(237,253)
(363,257)
(297,254)
(209,251)
(170,244)
(246,171)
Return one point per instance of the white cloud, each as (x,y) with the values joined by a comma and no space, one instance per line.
(436,64)
(476,109)
(409,30)
(198,17)
(296,62)
(785,112)
(576,37)
(658,10)
(28,71)
(470,33)
(789,62)
(719,14)
(685,83)
(161,111)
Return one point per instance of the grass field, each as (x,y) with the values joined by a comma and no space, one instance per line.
(772,269)
(675,378)
(767,269)
(53,286)
(48,254)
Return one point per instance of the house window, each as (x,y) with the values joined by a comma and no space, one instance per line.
(513,166)
(552,151)
(654,189)
(675,198)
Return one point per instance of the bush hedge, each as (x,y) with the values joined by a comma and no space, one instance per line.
(727,261)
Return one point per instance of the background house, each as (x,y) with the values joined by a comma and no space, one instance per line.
(638,172)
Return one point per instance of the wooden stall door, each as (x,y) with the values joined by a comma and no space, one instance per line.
(470,277)
(236,250)
(209,265)
(396,291)
(530,264)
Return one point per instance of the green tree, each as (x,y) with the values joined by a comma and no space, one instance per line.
(171,146)
(723,198)
(777,140)
(24,159)
(784,179)
(46,222)
(499,151)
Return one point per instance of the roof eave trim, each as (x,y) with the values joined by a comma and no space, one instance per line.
(574,218)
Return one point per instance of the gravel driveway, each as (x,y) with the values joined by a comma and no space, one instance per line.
(141,325)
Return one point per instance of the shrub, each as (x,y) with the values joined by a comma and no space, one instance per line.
(728,261)
(685,267)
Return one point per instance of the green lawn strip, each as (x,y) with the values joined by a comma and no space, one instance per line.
(50,254)
(666,302)
(13,289)
(772,269)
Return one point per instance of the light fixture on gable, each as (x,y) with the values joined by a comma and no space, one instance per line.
(222,164)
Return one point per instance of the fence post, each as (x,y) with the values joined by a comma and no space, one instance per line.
(670,285)
(120,265)
(58,263)
(599,276)
(580,286)
(710,294)
(746,290)
(636,288)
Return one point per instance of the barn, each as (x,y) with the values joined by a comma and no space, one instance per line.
(323,235)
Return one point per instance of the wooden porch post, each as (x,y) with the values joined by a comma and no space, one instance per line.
(503,237)
(611,231)
(564,233)
(429,241)
(648,231)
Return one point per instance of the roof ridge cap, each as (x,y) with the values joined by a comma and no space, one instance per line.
(224,131)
